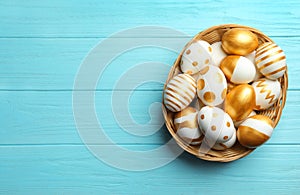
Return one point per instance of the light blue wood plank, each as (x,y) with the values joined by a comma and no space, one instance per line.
(47,118)
(52,64)
(72,169)
(94,18)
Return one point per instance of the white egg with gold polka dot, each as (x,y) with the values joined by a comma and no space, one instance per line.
(211,86)
(195,57)
(270,60)
(186,126)
(216,124)
(267,93)
(179,92)
(222,146)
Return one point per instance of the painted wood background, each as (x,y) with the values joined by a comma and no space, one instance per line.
(43,43)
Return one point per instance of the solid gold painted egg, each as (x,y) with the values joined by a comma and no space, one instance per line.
(239,41)
(270,60)
(255,131)
(186,126)
(239,102)
(179,92)
(238,69)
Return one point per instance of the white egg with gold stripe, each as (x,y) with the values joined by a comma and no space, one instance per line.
(186,126)
(215,124)
(267,93)
(211,86)
(195,57)
(222,146)
(179,92)
(255,131)
(270,60)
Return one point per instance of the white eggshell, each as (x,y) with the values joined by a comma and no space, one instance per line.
(244,71)
(186,125)
(195,57)
(215,124)
(251,57)
(267,93)
(237,123)
(218,53)
(255,131)
(222,146)
(211,86)
(270,60)
(179,92)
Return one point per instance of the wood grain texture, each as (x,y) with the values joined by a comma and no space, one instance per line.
(47,118)
(57,169)
(43,43)
(92,18)
(52,64)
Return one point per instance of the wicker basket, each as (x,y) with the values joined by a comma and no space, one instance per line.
(212,35)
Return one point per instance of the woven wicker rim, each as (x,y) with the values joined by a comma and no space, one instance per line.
(212,35)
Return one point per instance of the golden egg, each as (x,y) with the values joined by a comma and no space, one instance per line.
(239,41)
(255,131)
(240,102)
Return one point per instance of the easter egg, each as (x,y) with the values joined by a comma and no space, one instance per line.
(255,131)
(186,125)
(251,57)
(179,92)
(218,53)
(239,102)
(270,60)
(239,41)
(222,146)
(211,86)
(238,69)
(216,125)
(195,57)
(238,123)
(267,93)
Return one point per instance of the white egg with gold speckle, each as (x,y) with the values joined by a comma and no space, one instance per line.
(211,86)
(186,126)
(238,69)
(218,53)
(179,92)
(216,124)
(267,93)
(222,146)
(195,57)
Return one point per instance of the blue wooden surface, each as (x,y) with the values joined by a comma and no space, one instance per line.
(43,43)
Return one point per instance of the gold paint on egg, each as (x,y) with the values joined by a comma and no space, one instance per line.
(204,70)
(250,137)
(200,84)
(263,118)
(209,96)
(228,65)
(239,41)
(240,102)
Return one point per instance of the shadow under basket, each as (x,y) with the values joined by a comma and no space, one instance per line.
(212,35)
